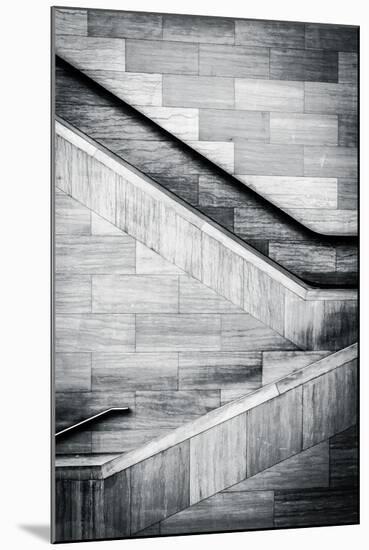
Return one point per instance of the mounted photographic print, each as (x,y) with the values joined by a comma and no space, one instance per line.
(205,176)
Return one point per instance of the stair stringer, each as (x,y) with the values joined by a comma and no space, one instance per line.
(299,491)
(135,491)
(220,153)
(313,319)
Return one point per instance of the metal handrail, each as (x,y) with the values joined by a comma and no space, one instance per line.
(91,419)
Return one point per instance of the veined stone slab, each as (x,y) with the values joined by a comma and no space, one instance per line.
(183,123)
(294,192)
(90,53)
(194,28)
(198,91)
(235,61)
(134,88)
(134,371)
(217,458)
(124,24)
(135,294)
(330,98)
(159,56)
(303,129)
(269,95)
(270,33)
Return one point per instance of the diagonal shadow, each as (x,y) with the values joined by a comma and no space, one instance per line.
(41,532)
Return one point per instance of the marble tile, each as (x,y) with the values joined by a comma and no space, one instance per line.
(135,294)
(155,496)
(63,168)
(303,129)
(123,440)
(294,192)
(270,33)
(114,122)
(307,469)
(117,491)
(77,443)
(330,162)
(319,324)
(72,293)
(71,218)
(134,371)
(185,186)
(228,371)
(242,332)
(232,125)
(124,24)
(159,157)
(258,223)
(226,395)
(180,242)
(269,159)
(72,372)
(235,61)
(87,332)
(303,320)
(159,56)
(222,215)
(194,28)
(75,497)
(169,409)
(221,153)
(315,507)
(303,65)
(347,193)
(274,431)
(94,185)
(151,263)
(134,88)
(101,227)
(177,332)
(223,512)
(327,221)
(329,404)
(347,258)
(330,98)
(183,123)
(70,21)
(278,364)
(270,308)
(331,37)
(89,53)
(347,68)
(344,459)
(304,257)
(70,90)
(94,254)
(138,214)
(348,131)
(188,253)
(269,95)
(222,270)
(217,458)
(195,297)
(216,191)
(198,92)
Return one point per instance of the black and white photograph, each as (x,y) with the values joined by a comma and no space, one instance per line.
(205,285)
(198,310)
